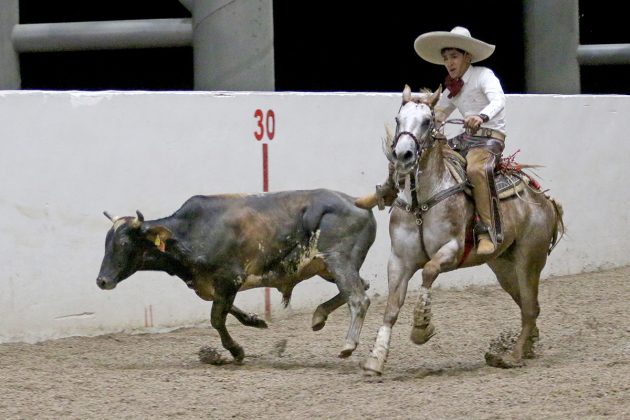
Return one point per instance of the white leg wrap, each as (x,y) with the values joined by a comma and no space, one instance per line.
(422,311)
(426,295)
(381,347)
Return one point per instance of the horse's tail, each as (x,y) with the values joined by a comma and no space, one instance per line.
(559,229)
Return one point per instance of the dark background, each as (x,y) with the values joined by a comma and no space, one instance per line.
(320,46)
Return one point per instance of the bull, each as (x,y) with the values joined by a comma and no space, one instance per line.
(222,244)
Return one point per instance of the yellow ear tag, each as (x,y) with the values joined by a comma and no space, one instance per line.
(158,242)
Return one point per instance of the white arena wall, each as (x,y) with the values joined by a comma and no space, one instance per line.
(68,156)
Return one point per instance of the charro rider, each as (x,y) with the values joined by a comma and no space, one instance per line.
(477,94)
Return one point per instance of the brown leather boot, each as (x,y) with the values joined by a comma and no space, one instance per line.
(485,246)
(478,159)
(367,201)
(384,195)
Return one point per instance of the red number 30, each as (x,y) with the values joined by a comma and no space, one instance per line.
(266,124)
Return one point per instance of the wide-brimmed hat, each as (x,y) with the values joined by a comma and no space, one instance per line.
(429,46)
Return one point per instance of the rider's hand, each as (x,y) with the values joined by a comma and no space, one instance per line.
(473,122)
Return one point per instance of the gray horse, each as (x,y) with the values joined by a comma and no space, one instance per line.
(430,233)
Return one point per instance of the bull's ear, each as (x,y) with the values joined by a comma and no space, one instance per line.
(158,235)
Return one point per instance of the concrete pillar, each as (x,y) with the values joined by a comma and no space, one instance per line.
(102,35)
(233,45)
(9,59)
(551,42)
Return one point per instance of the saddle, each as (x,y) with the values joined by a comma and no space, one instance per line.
(509,178)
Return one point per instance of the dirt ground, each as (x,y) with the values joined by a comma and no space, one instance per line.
(582,369)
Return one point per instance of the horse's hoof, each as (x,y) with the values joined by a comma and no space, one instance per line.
(318,321)
(318,325)
(506,361)
(422,335)
(372,367)
(347,350)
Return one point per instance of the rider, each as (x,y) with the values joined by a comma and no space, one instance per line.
(477,94)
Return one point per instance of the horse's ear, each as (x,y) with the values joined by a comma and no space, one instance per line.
(406,94)
(435,96)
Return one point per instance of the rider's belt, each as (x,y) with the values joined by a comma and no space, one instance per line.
(490,133)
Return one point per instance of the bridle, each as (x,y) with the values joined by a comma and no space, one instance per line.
(420,143)
(417,207)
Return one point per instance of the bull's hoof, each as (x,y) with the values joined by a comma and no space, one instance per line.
(318,321)
(372,367)
(259,323)
(347,350)
(422,335)
(237,353)
(505,361)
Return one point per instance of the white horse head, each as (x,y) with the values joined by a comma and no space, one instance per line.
(414,124)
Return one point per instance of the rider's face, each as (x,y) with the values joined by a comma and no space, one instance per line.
(456,62)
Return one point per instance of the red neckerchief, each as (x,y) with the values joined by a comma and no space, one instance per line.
(453,86)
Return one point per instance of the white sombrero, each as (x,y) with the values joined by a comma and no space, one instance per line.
(429,46)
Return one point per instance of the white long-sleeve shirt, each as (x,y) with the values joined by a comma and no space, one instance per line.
(481,94)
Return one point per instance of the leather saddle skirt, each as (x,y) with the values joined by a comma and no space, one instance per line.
(509,180)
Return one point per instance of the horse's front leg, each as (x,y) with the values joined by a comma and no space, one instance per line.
(445,258)
(399,272)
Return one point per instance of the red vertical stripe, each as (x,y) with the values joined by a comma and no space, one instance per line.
(265,153)
(265,168)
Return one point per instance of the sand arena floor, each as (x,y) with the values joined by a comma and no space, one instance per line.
(582,369)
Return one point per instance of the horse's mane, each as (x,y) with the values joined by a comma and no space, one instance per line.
(388,142)
(425,94)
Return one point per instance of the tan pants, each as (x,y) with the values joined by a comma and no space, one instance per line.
(478,159)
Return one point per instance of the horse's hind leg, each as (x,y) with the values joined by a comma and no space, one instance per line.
(528,280)
(521,281)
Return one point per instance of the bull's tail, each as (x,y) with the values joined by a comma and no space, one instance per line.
(559,228)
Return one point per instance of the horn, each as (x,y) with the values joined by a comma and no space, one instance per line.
(138,220)
(110,217)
